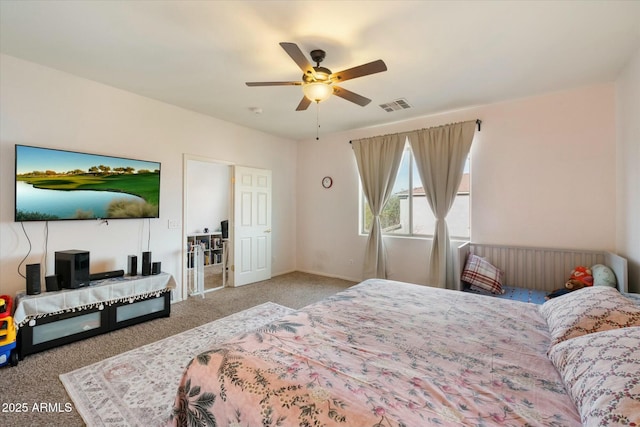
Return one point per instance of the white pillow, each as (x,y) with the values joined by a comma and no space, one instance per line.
(588,310)
(601,373)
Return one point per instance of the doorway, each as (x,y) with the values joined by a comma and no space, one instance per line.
(207,210)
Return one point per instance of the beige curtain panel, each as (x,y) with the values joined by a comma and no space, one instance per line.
(440,154)
(378,161)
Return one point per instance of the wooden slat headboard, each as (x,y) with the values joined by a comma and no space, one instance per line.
(543,269)
(619,266)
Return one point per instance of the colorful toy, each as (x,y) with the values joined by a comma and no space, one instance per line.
(583,275)
(8,353)
(574,285)
(580,277)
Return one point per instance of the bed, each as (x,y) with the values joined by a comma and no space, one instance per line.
(386,353)
(538,269)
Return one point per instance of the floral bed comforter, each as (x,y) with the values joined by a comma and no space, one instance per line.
(383,353)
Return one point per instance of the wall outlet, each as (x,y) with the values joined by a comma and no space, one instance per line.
(173,224)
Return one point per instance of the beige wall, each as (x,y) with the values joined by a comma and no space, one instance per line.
(43,107)
(628,168)
(207,201)
(543,174)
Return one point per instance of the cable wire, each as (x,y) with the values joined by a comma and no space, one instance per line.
(28,253)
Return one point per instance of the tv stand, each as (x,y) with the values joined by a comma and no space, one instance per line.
(57,318)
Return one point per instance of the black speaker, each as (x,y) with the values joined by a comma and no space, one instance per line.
(33,279)
(73,268)
(155,267)
(52,283)
(106,275)
(132,265)
(146,263)
(224,227)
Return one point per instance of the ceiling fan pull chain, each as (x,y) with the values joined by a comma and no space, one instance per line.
(317,121)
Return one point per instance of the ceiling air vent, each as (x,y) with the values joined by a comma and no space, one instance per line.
(398,104)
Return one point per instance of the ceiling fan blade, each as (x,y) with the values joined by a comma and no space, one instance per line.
(273,83)
(304,104)
(350,96)
(360,71)
(299,58)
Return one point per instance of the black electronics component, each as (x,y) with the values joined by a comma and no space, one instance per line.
(52,283)
(106,275)
(224,227)
(72,267)
(146,263)
(33,279)
(132,265)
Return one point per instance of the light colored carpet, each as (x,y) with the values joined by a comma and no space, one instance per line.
(212,276)
(137,388)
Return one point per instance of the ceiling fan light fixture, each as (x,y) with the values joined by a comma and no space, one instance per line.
(317,91)
(317,82)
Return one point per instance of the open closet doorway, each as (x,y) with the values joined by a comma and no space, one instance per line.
(207,209)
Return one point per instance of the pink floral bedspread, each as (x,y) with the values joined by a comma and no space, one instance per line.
(383,353)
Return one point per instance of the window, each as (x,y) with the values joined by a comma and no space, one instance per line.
(407,213)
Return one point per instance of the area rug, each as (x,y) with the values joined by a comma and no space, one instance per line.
(137,388)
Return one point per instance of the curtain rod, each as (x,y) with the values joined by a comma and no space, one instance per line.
(478,122)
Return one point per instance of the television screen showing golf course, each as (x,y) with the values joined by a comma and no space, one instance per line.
(65,185)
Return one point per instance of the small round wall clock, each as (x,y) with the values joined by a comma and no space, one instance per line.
(327,182)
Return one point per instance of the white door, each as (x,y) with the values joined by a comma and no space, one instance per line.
(252,225)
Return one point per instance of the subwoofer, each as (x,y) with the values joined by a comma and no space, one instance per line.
(73,268)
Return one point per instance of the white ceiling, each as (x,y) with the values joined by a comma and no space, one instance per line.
(441,55)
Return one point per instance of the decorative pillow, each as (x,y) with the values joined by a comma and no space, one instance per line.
(603,276)
(481,275)
(588,310)
(601,373)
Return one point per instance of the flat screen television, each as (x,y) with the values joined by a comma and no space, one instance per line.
(56,184)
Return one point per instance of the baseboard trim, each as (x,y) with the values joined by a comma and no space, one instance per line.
(333,276)
(280,273)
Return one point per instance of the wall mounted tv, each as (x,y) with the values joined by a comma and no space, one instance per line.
(67,185)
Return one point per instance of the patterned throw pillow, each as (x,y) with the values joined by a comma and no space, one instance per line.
(481,275)
(601,373)
(588,310)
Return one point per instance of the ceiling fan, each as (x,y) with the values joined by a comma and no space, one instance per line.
(318,83)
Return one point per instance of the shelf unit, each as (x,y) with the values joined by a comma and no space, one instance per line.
(212,247)
(206,254)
